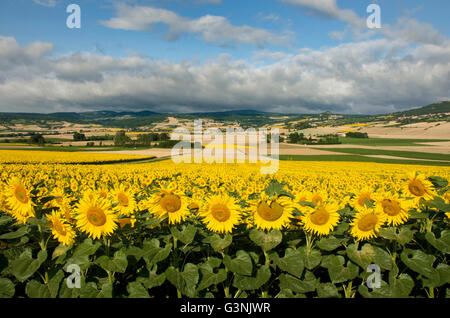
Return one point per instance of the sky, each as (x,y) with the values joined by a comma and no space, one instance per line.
(288,56)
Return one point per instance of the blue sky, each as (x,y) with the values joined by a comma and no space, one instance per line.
(223,46)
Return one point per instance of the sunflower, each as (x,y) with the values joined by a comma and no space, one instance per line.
(321,219)
(272,212)
(302,196)
(221,213)
(318,196)
(366,223)
(126,203)
(61,230)
(170,202)
(394,208)
(95,216)
(418,187)
(18,199)
(361,199)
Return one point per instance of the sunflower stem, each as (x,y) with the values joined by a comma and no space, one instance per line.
(179,293)
(431,292)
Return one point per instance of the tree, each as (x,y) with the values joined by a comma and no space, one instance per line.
(78,136)
(37,139)
(121,139)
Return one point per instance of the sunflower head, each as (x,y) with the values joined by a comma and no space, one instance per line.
(418,187)
(394,208)
(125,201)
(18,199)
(366,223)
(221,213)
(95,216)
(272,212)
(320,219)
(61,230)
(170,202)
(362,198)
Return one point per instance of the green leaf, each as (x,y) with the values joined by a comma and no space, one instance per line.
(402,235)
(251,283)
(442,277)
(275,188)
(137,290)
(241,264)
(106,291)
(25,266)
(217,243)
(337,271)
(266,241)
(5,219)
(442,244)
(186,235)
(311,258)
(86,248)
(153,253)
(116,264)
(153,279)
(186,281)
(7,288)
(34,289)
(399,287)
(419,262)
(329,243)
(209,278)
(382,258)
(13,235)
(438,182)
(60,250)
(327,290)
(292,262)
(363,257)
(308,284)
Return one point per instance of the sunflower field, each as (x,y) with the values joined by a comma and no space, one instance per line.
(224,230)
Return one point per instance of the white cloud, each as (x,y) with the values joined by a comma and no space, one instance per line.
(212,29)
(46,3)
(373,76)
(330,9)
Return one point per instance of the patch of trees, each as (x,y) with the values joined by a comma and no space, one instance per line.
(161,140)
(299,138)
(79,136)
(356,134)
(37,139)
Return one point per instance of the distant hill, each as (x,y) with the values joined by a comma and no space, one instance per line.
(436,108)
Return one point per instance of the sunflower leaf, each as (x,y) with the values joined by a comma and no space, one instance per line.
(442,244)
(7,288)
(266,241)
(251,283)
(25,266)
(241,264)
(217,243)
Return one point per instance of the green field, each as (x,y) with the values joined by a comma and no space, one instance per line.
(394,153)
(387,141)
(358,158)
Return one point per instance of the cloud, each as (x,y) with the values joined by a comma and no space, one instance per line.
(373,76)
(210,28)
(46,3)
(330,9)
(406,29)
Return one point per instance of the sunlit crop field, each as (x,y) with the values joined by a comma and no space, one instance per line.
(223,230)
(53,157)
